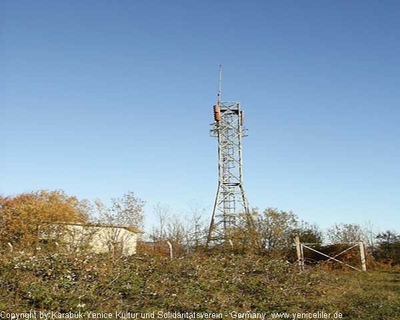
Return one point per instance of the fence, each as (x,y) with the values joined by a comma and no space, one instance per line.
(301,246)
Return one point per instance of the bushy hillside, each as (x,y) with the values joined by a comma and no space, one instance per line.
(200,282)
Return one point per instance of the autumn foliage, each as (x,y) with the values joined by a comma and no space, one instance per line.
(22,216)
(258,272)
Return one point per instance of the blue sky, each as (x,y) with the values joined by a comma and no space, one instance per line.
(99,98)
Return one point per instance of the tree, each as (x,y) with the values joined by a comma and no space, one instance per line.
(183,233)
(275,229)
(388,247)
(344,233)
(197,227)
(127,211)
(159,232)
(309,233)
(177,231)
(23,215)
(123,212)
(369,232)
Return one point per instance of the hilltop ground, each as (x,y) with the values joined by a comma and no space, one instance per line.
(222,283)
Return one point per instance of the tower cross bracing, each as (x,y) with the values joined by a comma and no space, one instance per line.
(231,206)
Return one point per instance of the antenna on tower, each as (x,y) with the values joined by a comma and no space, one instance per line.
(220,84)
(231,209)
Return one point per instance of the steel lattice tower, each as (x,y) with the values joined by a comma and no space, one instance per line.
(231,207)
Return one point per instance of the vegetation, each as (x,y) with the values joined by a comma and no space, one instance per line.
(259,274)
(24,217)
(127,210)
(199,282)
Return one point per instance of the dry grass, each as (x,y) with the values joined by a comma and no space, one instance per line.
(198,283)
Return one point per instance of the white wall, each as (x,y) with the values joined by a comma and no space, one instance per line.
(101,239)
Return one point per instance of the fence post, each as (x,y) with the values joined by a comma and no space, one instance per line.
(300,258)
(171,252)
(362,254)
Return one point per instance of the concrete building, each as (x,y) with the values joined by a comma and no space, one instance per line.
(97,238)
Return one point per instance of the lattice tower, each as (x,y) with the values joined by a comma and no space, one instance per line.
(231,207)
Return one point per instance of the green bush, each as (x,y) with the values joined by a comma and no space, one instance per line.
(200,282)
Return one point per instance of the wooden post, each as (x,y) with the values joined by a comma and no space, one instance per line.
(171,252)
(362,254)
(300,258)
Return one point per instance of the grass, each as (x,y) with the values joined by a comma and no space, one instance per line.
(372,295)
(196,283)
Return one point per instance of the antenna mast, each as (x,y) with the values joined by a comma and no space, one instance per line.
(231,209)
(220,84)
